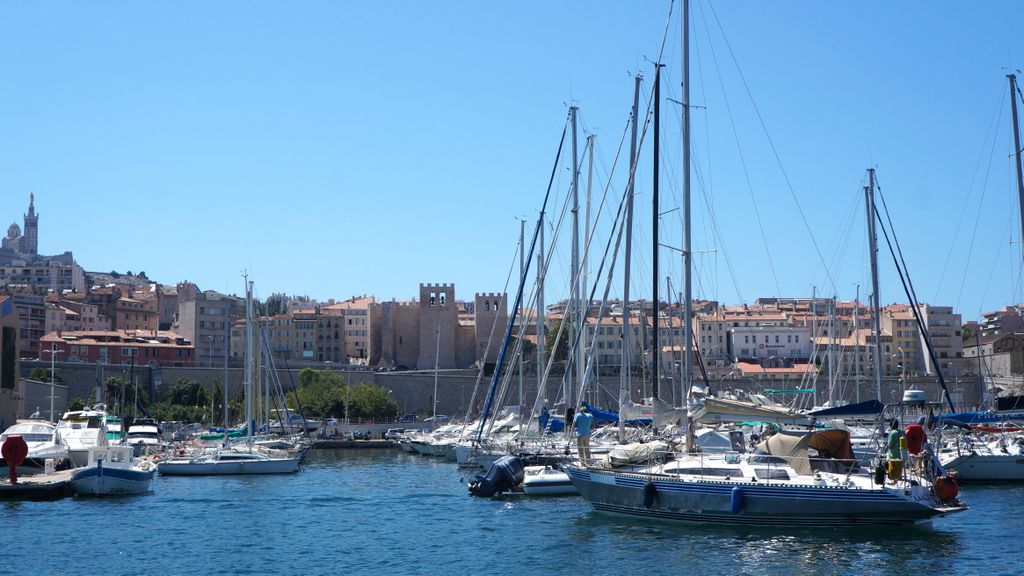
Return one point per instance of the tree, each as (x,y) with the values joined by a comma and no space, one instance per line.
(76,403)
(119,387)
(562,354)
(368,401)
(43,375)
(322,393)
(188,392)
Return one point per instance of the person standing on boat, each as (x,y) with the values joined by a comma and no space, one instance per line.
(583,422)
(895,451)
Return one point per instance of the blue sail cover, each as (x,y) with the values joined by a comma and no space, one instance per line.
(871,407)
(605,417)
(983,417)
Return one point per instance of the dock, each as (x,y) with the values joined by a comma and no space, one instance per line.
(328,444)
(38,487)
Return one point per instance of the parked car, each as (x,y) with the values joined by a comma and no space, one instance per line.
(438,418)
(394,433)
(361,436)
(408,418)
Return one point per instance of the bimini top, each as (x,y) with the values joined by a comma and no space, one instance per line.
(793,445)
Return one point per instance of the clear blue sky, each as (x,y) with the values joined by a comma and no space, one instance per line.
(341,148)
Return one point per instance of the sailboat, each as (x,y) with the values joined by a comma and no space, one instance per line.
(995,455)
(791,478)
(242,459)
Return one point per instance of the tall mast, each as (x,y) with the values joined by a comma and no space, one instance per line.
(574,299)
(248,359)
(655,347)
(541,337)
(627,334)
(856,357)
(687,253)
(869,192)
(1016,153)
(586,253)
(522,274)
(227,337)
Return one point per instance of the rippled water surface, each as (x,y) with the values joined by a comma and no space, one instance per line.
(387,512)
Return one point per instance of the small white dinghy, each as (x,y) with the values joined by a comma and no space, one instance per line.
(547,481)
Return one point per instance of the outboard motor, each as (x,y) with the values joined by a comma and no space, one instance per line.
(505,474)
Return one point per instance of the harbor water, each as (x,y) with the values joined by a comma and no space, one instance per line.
(385,512)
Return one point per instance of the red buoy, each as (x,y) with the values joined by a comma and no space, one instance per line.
(14,451)
(915,438)
(946,488)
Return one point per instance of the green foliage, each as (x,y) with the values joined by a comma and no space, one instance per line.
(368,401)
(322,393)
(43,375)
(187,392)
(273,305)
(562,354)
(76,403)
(118,387)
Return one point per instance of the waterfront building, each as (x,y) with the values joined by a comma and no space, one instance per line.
(11,392)
(1005,321)
(203,320)
(995,355)
(436,328)
(121,347)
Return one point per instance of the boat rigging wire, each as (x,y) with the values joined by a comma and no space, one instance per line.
(775,152)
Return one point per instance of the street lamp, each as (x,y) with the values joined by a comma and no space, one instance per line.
(53,388)
(210,356)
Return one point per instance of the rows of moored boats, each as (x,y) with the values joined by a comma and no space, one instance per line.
(748,461)
(105,459)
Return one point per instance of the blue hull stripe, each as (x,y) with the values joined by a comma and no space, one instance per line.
(132,475)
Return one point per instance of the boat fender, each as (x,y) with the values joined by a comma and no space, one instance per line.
(946,488)
(736,500)
(14,451)
(880,474)
(914,434)
(650,493)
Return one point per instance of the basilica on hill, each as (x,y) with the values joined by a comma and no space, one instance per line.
(24,269)
(26,243)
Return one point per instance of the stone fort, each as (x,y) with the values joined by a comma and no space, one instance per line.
(437,329)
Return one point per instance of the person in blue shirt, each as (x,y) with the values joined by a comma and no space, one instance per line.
(583,422)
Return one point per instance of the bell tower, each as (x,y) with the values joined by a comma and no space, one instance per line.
(30,244)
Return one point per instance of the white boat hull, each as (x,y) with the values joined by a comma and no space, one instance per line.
(215,468)
(100,481)
(979,467)
(544,481)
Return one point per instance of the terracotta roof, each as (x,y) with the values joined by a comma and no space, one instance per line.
(753,369)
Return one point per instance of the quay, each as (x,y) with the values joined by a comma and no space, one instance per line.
(38,487)
(327,444)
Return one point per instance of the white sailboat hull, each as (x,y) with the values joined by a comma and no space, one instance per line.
(214,468)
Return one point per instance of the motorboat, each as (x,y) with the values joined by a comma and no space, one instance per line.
(144,436)
(113,470)
(791,479)
(42,446)
(80,430)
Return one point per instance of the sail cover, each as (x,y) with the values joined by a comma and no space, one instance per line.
(723,410)
(869,408)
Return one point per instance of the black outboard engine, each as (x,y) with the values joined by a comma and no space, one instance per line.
(504,475)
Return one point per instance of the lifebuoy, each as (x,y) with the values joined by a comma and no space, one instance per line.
(915,436)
